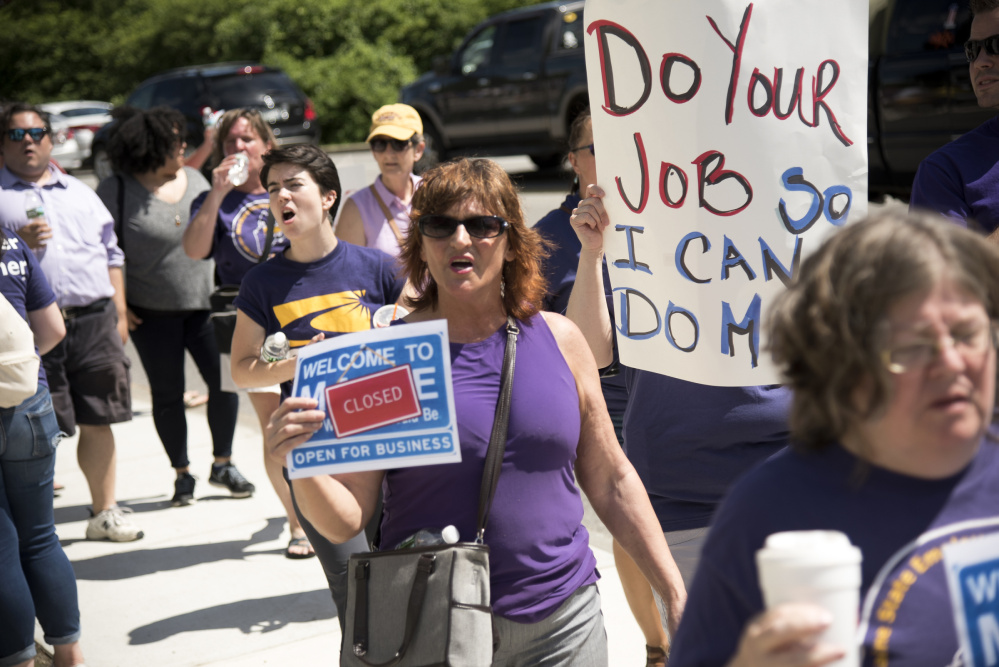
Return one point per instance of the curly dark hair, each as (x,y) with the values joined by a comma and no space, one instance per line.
(142,140)
(485,182)
(827,330)
(314,160)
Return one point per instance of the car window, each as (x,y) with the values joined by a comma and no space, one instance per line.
(522,41)
(83,111)
(926,25)
(142,97)
(243,90)
(477,52)
(180,94)
(571,32)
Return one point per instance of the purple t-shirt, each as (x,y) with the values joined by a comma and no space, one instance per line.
(961,180)
(898,522)
(240,234)
(23,283)
(690,441)
(539,550)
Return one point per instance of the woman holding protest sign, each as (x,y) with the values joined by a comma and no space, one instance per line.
(890,446)
(318,287)
(688,441)
(560,272)
(474,263)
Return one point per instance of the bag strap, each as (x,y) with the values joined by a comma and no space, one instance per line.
(497,441)
(270,238)
(389,218)
(119,222)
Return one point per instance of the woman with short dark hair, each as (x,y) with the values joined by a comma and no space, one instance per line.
(166,291)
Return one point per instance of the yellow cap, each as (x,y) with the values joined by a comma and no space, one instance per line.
(396,121)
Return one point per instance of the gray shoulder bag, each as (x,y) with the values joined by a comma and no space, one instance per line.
(430,606)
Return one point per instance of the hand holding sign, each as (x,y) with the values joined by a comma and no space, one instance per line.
(386,400)
(589,220)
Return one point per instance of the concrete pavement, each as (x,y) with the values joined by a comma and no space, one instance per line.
(209,583)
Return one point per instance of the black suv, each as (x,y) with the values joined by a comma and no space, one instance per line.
(223,86)
(513,86)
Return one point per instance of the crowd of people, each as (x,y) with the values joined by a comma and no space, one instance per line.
(886,438)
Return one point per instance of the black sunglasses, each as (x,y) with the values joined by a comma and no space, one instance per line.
(379,145)
(974,46)
(479,226)
(593,151)
(17,134)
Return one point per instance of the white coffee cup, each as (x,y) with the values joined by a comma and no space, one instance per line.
(384,315)
(820,567)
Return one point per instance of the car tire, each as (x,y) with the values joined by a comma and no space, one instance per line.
(548,161)
(102,164)
(433,154)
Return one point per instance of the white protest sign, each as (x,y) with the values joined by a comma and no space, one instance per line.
(730,140)
(973,579)
(388,400)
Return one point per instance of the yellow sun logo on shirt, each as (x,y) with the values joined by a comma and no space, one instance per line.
(340,312)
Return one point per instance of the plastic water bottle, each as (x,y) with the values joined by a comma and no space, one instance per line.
(240,171)
(429,537)
(33,207)
(275,348)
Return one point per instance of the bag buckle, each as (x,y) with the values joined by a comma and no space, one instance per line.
(360,650)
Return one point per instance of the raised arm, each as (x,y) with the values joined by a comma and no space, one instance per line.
(588,304)
(200,231)
(610,482)
(338,506)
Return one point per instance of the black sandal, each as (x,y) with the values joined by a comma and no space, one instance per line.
(302,541)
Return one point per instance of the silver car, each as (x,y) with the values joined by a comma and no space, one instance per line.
(84,118)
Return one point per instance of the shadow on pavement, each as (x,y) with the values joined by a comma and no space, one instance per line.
(140,562)
(249,616)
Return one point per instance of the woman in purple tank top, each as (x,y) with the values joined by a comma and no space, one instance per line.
(474,262)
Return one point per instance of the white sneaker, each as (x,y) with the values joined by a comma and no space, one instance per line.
(112,524)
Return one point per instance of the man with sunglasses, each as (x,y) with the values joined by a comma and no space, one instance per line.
(961,180)
(75,243)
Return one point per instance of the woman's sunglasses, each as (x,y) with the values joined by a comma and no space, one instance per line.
(379,145)
(479,226)
(583,148)
(36,133)
(974,46)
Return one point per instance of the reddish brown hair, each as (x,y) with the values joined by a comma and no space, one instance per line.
(485,182)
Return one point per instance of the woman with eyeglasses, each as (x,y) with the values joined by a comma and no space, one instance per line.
(319,287)
(475,263)
(560,272)
(378,215)
(887,339)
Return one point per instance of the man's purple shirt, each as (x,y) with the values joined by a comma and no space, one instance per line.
(83,245)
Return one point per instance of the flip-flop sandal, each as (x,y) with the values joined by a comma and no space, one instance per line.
(299,542)
(193,399)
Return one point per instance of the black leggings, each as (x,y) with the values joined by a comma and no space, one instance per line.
(161,340)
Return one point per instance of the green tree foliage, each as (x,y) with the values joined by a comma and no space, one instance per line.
(349,57)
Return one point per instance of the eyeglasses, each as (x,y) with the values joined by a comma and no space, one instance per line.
(579,148)
(479,226)
(974,46)
(379,145)
(972,341)
(36,133)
